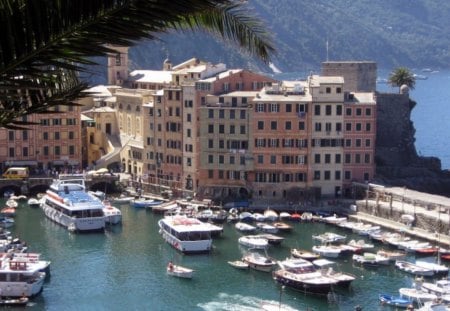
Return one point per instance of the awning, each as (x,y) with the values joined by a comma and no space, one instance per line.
(19,163)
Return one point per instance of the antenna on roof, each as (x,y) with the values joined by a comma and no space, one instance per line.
(327,46)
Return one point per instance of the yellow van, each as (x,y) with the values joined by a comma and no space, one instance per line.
(16,173)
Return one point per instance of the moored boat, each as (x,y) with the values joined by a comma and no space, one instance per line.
(238,264)
(145,203)
(112,214)
(244,227)
(416,295)
(33,202)
(179,271)
(304,254)
(68,203)
(330,251)
(254,241)
(395,301)
(258,261)
(329,237)
(413,268)
(327,269)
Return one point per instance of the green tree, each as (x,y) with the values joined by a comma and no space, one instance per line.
(402,76)
(45,44)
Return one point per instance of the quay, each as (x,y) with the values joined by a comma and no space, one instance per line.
(428,215)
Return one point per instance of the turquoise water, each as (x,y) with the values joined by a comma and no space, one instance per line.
(124,268)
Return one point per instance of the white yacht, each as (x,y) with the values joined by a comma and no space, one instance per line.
(186,234)
(69,204)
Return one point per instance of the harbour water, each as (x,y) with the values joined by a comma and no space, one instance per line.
(124,269)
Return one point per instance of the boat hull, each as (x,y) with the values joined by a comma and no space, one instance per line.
(304,286)
(75,224)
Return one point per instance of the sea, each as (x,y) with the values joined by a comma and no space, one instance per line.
(123,268)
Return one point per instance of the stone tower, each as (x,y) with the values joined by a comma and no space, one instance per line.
(167,65)
(359,76)
(118,65)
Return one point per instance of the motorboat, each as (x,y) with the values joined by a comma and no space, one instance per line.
(112,214)
(8,211)
(440,287)
(68,203)
(371,259)
(304,254)
(282,226)
(438,269)
(259,217)
(122,199)
(330,251)
(145,203)
(361,244)
(254,241)
(20,301)
(392,255)
(33,202)
(293,263)
(186,234)
(327,268)
(266,227)
(329,237)
(414,269)
(246,217)
(165,207)
(285,215)
(259,262)
(394,301)
(334,219)
(416,295)
(238,264)
(12,203)
(6,222)
(244,227)
(179,271)
(270,215)
(271,238)
(305,279)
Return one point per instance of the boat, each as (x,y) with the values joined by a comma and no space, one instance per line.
(361,244)
(21,301)
(164,207)
(304,254)
(392,255)
(330,251)
(285,215)
(186,234)
(305,279)
(246,217)
(271,238)
(244,227)
(258,261)
(112,214)
(297,217)
(20,278)
(394,301)
(416,295)
(266,227)
(6,222)
(327,268)
(329,237)
(413,268)
(122,199)
(334,219)
(438,269)
(33,202)
(8,211)
(371,259)
(179,271)
(306,216)
(12,203)
(427,251)
(68,203)
(440,287)
(144,203)
(282,226)
(259,217)
(238,264)
(270,215)
(254,241)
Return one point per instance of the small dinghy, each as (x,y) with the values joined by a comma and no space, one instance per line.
(238,264)
(394,301)
(179,271)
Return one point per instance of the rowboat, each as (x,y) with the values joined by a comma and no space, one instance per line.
(238,264)
(179,271)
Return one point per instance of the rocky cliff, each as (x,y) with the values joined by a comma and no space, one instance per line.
(398,163)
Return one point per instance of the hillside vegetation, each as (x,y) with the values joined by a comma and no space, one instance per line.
(411,33)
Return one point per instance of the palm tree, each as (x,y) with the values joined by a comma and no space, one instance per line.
(44,44)
(402,76)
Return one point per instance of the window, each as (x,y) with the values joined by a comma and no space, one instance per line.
(210,174)
(348,175)
(338,90)
(348,111)
(358,142)
(243,114)
(367,142)
(232,158)
(327,158)
(232,114)
(11,152)
(357,158)
(301,126)
(368,111)
(348,158)
(221,144)
(232,129)
(210,159)
(260,107)
(348,143)
(189,117)
(316,175)
(260,159)
(45,135)
(242,160)
(243,131)
(188,133)
(328,110)
(318,126)
(274,107)
(221,114)
(211,113)
(25,151)
(327,175)
(221,129)
(11,135)
(71,135)
(25,135)
(273,125)
(288,107)
(317,110)
(368,127)
(367,158)
(317,158)
(358,111)
(339,110)
(221,159)
(328,90)
(328,127)
(273,159)
(288,125)
(210,143)
(358,127)
(337,175)
(46,150)
(210,128)
(337,158)
(348,127)
(260,125)
(56,135)
(338,127)
(57,150)
(72,150)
